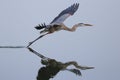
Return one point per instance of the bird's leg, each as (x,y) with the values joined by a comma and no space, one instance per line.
(36,53)
(30,43)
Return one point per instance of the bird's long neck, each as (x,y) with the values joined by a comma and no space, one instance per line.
(76,65)
(71,29)
(72,63)
(74,28)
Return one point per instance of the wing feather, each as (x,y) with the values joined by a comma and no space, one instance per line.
(65,14)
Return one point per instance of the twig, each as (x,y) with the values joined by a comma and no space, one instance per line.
(12,46)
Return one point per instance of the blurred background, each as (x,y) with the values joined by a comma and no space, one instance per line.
(97,46)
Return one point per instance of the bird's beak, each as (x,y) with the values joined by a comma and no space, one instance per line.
(88,25)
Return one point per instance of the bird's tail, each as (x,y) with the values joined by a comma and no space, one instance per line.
(39,27)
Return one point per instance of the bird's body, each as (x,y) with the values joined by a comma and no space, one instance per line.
(52,29)
(57,23)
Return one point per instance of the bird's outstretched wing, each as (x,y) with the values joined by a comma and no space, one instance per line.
(65,14)
(76,71)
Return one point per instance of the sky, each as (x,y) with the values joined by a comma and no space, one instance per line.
(97,46)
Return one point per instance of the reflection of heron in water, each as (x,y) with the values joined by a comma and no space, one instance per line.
(57,24)
(52,67)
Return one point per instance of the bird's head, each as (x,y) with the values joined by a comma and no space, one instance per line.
(83,24)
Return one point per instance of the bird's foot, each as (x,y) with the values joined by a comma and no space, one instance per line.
(30,43)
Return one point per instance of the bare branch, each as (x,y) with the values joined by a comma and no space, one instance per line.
(12,46)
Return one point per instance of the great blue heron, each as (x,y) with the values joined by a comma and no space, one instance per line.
(52,67)
(57,24)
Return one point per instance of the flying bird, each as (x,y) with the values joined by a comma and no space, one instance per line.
(57,23)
